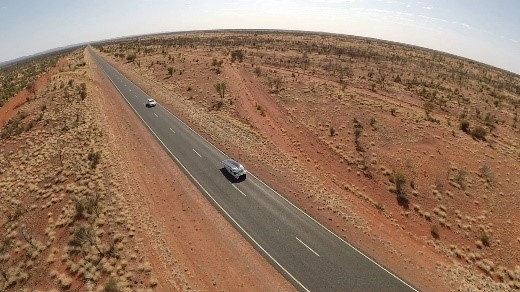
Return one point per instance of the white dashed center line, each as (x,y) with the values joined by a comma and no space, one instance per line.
(307,246)
(155,114)
(197,153)
(239,190)
(172,130)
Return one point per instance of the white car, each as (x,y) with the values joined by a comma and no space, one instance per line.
(151,102)
(234,168)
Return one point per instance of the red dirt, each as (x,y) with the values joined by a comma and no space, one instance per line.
(10,108)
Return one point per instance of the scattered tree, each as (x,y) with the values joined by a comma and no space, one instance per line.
(220,87)
(275,84)
(31,88)
(237,54)
(428,108)
(130,58)
(258,71)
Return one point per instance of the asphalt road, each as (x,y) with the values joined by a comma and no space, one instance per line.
(305,252)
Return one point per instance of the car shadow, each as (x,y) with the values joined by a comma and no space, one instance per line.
(231,178)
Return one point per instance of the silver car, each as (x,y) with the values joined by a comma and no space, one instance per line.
(234,168)
(151,103)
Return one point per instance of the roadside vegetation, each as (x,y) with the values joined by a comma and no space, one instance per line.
(63,225)
(21,76)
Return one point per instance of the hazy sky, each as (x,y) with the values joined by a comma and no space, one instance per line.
(487,31)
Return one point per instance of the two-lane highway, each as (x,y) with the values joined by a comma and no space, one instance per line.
(305,252)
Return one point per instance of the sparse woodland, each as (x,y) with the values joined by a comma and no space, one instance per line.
(386,144)
(63,224)
(428,140)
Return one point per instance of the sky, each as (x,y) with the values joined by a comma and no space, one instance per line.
(486,31)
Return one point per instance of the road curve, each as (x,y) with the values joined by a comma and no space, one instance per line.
(309,255)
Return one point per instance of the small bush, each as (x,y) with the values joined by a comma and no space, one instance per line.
(464,126)
(373,123)
(261,109)
(237,54)
(479,133)
(94,158)
(400,183)
(428,108)
(258,71)
(130,58)
(435,231)
(111,286)
(332,131)
(484,238)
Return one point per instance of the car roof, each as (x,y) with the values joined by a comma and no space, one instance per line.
(232,162)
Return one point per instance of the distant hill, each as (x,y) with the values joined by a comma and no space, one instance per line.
(50,52)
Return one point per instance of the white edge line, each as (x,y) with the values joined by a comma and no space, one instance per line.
(239,190)
(351,246)
(197,152)
(207,193)
(307,246)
